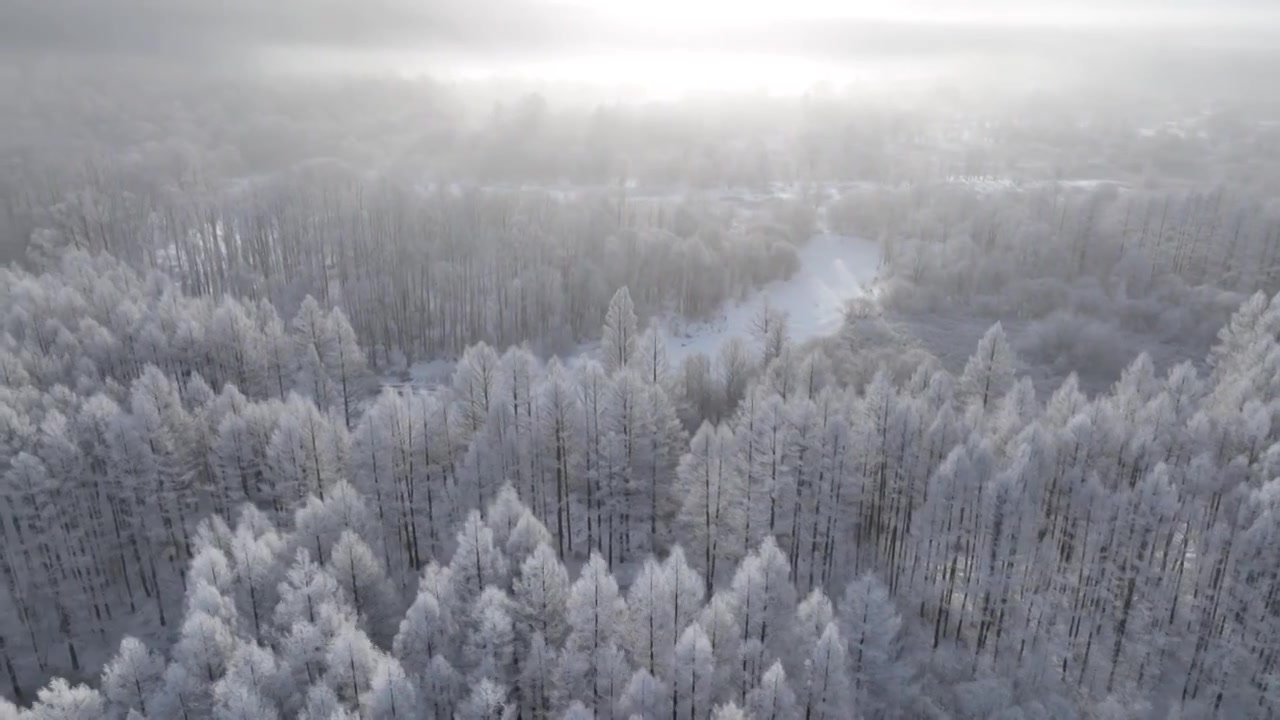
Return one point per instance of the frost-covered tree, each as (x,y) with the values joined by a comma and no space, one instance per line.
(684,591)
(305,587)
(489,649)
(537,661)
(989,372)
(812,616)
(827,693)
(487,701)
(345,364)
(322,703)
(772,698)
(769,329)
(442,687)
(252,686)
(362,578)
(644,696)
(60,700)
(620,335)
(733,367)
(595,609)
(653,363)
(719,621)
(305,454)
(241,702)
(541,593)
(256,570)
(648,616)
(350,661)
(525,538)
(596,614)
(692,674)
(478,560)
(709,486)
(204,647)
(560,446)
(765,600)
(392,694)
(870,625)
(132,676)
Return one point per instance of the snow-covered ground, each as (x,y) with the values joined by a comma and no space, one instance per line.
(833,270)
(424,374)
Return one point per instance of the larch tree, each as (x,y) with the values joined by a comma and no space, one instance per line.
(684,593)
(204,647)
(733,369)
(503,514)
(60,700)
(256,569)
(306,453)
(424,633)
(989,372)
(646,632)
(692,674)
(772,698)
(769,329)
(526,536)
(393,695)
(487,701)
(305,587)
(596,613)
(645,696)
(812,616)
(619,337)
(350,661)
(653,363)
(719,621)
(559,415)
(541,592)
(253,680)
(313,342)
(711,508)
(870,626)
(320,523)
(827,693)
(537,660)
(490,645)
(346,366)
(443,687)
(363,579)
(477,560)
(766,604)
(132,676)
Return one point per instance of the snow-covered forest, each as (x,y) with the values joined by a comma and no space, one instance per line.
(563,359)
(212,510)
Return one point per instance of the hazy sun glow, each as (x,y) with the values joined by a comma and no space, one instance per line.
(668,49)
(673,74)
(691,57)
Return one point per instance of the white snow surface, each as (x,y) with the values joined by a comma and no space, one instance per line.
(834,269)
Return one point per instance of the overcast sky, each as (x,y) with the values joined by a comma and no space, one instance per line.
(679,45)
(230,27)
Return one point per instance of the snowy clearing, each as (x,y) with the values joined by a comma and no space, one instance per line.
(834,269)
